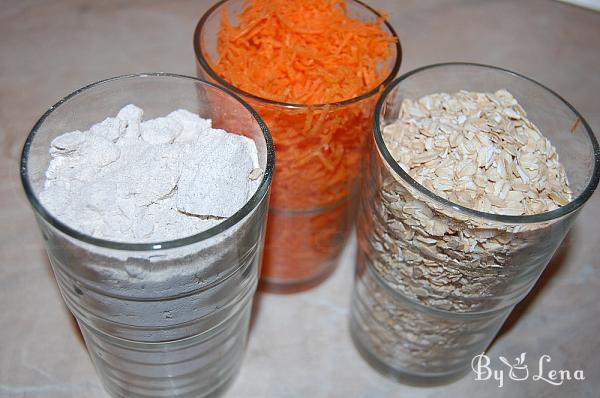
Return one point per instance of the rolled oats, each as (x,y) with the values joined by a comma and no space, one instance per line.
(479,151)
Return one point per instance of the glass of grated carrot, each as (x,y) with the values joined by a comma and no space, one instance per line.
(313,70)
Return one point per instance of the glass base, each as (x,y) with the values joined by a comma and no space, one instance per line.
(199,366)
(285,286)
(218,391)
(400,375)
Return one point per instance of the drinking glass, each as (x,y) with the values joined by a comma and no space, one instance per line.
(423,305)
(320,149)
(160,319)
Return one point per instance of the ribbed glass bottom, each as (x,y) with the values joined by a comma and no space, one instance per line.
(400,375)
(413,343)
(198,366)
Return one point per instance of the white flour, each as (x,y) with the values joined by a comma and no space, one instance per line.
(129,180)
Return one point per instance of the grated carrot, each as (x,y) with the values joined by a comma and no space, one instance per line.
(308,53)
(302,51)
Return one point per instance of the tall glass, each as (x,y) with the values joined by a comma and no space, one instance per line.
(424,303)
(162,319)
(319,153)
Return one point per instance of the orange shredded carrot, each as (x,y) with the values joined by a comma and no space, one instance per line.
(310,53)
(302,51)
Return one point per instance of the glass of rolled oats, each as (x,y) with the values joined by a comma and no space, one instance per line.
(475,176)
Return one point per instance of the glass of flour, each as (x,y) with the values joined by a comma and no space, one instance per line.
(151,193)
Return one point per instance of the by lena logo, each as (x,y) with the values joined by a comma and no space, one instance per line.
(519,370)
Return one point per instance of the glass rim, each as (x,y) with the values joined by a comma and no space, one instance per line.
(229,222)
(214,75)
(572,206)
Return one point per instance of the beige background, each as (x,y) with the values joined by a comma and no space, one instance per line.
(299,346)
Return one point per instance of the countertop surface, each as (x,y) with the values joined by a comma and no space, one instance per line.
(299,345)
